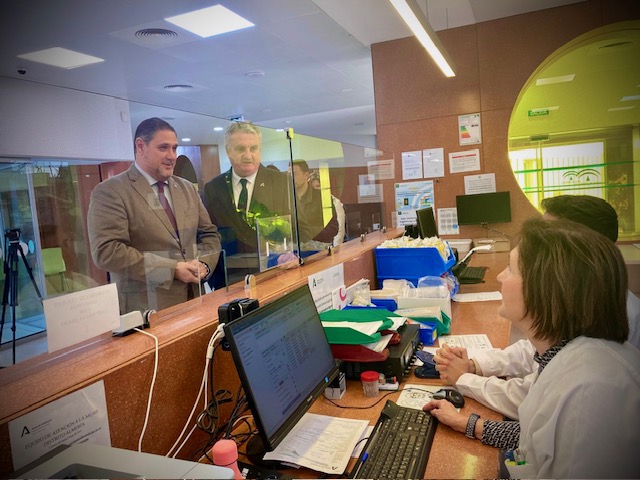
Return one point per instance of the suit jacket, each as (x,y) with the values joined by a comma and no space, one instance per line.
(271,196)
(131,237)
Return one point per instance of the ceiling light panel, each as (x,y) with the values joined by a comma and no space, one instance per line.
(210,21)
(61,58)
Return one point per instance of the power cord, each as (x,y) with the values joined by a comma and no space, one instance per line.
(153,382)
(361,408)
(213,341)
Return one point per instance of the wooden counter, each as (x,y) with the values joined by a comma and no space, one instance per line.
(125,365)
(452,454)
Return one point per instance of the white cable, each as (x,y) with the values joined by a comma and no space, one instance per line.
(153,382)
(217,335)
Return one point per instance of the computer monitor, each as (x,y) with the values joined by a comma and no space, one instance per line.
(483,208)
(284,362)
(426,223)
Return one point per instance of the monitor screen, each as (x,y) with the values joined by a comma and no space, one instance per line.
(284,362)
(426,223)
(483,208)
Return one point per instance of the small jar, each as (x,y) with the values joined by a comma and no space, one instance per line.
(370,382)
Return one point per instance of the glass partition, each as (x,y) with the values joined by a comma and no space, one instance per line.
(326,193)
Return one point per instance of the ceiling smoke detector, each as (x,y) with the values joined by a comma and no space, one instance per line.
(255,74)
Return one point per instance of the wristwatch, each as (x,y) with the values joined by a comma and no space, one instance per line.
(208,270)
(471,425)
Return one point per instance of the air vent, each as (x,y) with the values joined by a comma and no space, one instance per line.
(178,87)
(156,33)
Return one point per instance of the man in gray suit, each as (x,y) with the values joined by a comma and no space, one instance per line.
(149,228)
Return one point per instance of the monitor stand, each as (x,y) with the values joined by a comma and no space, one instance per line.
(255,454)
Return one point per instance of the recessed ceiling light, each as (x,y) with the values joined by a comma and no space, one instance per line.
(558,79)
(254,74)
(210,21)
(186,139)
(616,109)
(178,87)
(630,98)
(218,129)
(61,57)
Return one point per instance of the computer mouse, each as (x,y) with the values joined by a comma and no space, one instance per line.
(451,395)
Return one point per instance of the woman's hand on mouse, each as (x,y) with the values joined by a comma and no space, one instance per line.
(451,363)
(447,414)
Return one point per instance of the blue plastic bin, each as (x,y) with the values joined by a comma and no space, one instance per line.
(410,263)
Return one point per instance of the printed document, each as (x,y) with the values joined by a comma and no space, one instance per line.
(320,442)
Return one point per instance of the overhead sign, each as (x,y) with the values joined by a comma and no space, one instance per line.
(537,112)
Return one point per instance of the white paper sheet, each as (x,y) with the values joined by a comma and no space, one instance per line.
(477,297)
(320,442)
(477,342)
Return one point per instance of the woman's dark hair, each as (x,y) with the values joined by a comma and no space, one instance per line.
(574,281)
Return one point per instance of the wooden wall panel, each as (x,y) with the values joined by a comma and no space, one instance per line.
(417,107)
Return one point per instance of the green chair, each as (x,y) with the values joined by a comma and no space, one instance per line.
(53,264)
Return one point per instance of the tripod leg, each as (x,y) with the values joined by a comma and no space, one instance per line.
(29,271)
(7,288)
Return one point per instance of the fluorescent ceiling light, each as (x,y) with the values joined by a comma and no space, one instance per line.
(630,98)
(61,57)
(210,21)
(186,139)
(417,22)
(218,129)
(617,109)
(552,80)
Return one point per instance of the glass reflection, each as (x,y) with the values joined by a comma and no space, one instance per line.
(49,200)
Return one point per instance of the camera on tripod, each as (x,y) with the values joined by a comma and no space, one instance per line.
(12,234)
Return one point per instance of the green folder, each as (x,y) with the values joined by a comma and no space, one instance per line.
(349,336)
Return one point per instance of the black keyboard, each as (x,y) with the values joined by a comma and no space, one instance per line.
(471,274)
(399,444)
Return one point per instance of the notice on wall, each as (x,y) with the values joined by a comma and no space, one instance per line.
(78,316)
(433,162)
(414,195)
(469,132)
(485,183)
(467,161)
(381,169)
(412,165)
(406,217)
(76,418)
(448,221)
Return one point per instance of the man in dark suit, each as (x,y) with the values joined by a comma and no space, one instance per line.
(149,228)
(246,192)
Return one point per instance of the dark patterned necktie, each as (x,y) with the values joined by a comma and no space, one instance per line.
(242,200)
(165,204)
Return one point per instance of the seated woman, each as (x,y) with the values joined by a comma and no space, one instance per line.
(565,289)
